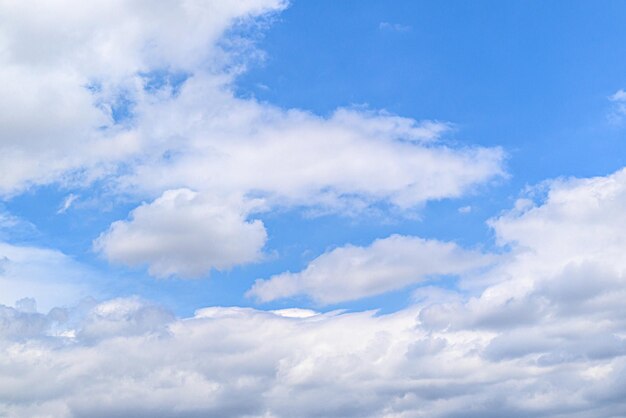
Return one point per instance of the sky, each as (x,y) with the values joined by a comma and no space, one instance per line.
(272,208)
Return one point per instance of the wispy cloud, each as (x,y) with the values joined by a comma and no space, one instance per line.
(67,203)
(618,110)
(396,27)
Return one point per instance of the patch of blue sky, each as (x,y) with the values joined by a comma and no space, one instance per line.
(164,79)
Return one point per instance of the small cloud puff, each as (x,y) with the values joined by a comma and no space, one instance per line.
(618,111)
(185,233)
(396,27)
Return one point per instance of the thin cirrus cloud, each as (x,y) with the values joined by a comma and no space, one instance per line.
(351,272)
(618,110)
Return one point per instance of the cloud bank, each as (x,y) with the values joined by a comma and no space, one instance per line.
(540,334)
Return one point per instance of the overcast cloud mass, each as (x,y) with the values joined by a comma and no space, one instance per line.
(136,172)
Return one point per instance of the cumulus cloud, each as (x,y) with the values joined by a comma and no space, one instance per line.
(241,362)
(564,270)
(352,272)
(72,65)
(579,221)
(184,233)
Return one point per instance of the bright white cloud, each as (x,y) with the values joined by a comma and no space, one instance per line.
(184,233)
(565,269)
(296,158)
(69,64)
(580,221)
(351,272)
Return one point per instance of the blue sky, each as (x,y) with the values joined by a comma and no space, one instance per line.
(503,73)
(451,168)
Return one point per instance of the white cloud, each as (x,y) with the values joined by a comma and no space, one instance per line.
(127,357)
(184,233)
(296,158)
(351,272)
(618,96)
(67,63)
(580,220)
(565,267)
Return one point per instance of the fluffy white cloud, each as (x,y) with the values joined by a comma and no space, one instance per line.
(580,220)
(125,357)
(184,233)
(210,140)
(351,272)
(564,274)
(72,65)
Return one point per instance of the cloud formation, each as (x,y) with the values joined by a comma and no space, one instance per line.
(539,333)
(350,272)
(73,65)
(136,358)
(184,233)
